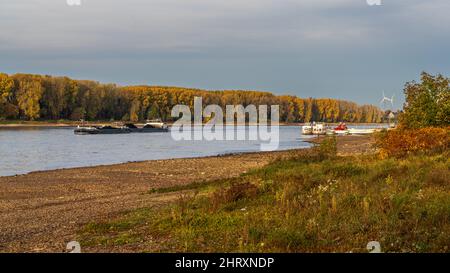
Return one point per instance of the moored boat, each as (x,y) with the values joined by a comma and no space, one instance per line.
(341,132)
(355,131)
(341,129)
(314,129)
(307,130)
(319,129)
(330,132)
(86,130)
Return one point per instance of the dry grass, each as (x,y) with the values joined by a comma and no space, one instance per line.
(315,203)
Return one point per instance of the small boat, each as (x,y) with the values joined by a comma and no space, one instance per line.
(342,132)
(157,123)
(91,130)
(355,131)
(341,129)
(319,129)
(314,129)
(86,130)
(307,130)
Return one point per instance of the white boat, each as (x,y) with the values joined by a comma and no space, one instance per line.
(342,132)
(156,124)
(319,129)
(355,131)
(307,130)
(314,129)
(330,132)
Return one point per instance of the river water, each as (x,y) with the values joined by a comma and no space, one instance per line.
(23,150)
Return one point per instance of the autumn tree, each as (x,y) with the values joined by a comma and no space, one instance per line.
(6,88)
(28,96)
(427,103)
(7,109)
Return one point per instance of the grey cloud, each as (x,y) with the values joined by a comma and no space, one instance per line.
(338,48)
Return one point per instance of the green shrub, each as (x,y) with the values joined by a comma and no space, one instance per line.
(327,148)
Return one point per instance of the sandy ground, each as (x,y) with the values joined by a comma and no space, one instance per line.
(349,145)
(41,211)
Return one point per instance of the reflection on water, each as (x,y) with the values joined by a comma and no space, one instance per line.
(31,149)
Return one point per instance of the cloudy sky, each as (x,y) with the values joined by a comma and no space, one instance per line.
(321,48)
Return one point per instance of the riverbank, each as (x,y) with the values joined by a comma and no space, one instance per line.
(42,211)
(69,123)
(49,124)
(311,202)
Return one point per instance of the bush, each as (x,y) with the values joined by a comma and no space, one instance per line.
(234,193)
(327,148)
(401,142)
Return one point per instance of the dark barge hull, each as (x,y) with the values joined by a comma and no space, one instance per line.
(148,130)
(97,131)
(112,131)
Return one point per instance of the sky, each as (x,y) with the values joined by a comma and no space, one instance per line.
(343,49)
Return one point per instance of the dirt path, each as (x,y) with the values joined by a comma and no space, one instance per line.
(41,211)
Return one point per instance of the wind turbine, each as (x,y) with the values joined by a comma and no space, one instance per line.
(385,101)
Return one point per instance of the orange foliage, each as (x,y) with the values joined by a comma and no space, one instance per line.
(401,142)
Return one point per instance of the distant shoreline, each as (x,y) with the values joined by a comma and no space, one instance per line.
(69,124)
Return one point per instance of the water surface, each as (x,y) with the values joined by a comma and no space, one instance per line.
(23,150)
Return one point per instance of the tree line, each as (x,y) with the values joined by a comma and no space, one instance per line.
(32,97)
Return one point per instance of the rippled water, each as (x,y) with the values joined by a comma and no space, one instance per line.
(33,149)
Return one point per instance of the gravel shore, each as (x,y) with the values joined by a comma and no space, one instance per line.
(41,211)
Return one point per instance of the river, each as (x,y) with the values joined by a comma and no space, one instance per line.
(23,150)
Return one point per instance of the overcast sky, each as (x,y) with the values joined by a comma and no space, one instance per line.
(321,48)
